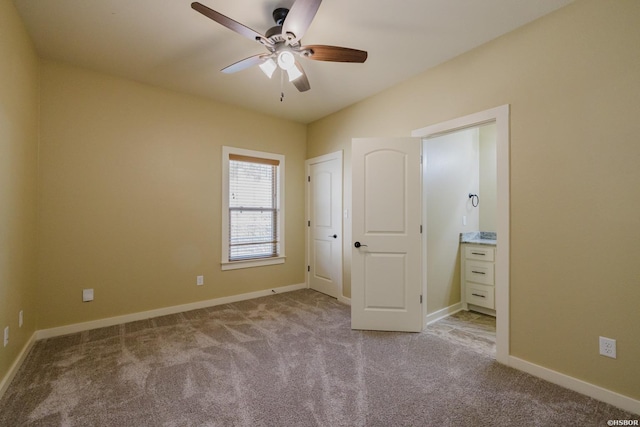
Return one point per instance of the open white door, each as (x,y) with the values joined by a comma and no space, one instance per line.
(386,279)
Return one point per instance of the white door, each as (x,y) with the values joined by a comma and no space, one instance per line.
(324,216)
(386,279)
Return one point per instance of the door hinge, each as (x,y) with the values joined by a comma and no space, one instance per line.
(308,268)
(309,179)
(420,299)
(308,223)
(420,228)
(420,159)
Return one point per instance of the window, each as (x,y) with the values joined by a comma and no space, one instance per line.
(252,208)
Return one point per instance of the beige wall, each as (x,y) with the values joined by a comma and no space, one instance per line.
(450,174)
(18,179)
(571,79)
(130,196)
(488,178)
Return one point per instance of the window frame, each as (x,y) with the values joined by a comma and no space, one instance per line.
(226,264)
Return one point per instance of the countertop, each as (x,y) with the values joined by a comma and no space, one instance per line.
(479,238)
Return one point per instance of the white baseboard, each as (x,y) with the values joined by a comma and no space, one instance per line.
(13,370)
(117,320)
(583,387)
(344,300)
(443,312)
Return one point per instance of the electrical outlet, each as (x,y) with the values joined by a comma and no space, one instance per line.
(200,280)
(20,318)
(6,336)
(608,347)
(87,295)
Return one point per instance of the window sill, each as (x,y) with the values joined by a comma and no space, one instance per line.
(226,265)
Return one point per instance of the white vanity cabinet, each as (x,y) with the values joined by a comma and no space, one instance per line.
(477,277)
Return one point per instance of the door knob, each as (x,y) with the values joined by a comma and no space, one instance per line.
(335,236)
(358,244)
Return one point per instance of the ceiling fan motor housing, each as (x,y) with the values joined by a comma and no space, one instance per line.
(274,34)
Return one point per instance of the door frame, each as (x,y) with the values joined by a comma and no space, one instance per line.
(336,155)
(499,115)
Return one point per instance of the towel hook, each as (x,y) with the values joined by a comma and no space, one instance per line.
(475,200)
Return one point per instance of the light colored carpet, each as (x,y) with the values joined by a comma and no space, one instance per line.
(475,331)
(285,360)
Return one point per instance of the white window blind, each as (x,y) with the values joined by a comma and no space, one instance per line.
(253,208)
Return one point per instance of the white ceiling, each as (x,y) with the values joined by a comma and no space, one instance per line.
(168,44)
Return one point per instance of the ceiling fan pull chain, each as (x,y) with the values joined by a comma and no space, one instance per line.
(281,85)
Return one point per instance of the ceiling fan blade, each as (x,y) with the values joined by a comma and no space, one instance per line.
(245,63)
(301,83)
(228,22)
(299,18)
(334,53)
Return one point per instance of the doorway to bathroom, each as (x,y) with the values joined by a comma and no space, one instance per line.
(459,185)
(456,184)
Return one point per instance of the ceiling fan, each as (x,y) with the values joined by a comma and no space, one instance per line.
(283,41)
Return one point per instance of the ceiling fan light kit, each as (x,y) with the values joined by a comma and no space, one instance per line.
(268,67)
(294,73)
(283,41)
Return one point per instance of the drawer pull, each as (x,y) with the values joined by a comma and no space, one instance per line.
(478,272)
(481,296)
(479,253)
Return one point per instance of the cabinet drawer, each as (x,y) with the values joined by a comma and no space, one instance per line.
(479,253)
(479,272)
(480,295)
